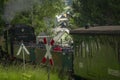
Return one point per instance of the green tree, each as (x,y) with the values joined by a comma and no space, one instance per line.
(40,15)
(101,12)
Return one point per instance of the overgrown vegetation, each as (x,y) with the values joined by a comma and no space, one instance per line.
(30,73)
(100,12)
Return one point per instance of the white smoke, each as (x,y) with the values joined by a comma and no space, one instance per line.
(15,6)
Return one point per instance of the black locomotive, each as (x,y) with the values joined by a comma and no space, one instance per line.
(16,34)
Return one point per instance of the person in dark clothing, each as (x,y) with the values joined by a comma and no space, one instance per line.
(4,56)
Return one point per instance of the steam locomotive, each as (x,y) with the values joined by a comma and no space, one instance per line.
(16,34)
(20,33)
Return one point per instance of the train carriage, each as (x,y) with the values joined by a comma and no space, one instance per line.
(97,52)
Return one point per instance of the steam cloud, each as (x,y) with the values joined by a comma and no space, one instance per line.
(16,6)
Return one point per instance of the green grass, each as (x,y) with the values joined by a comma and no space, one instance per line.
(30,73)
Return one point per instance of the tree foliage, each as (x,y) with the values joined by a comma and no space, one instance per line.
(101,12)
(39,13)
(40,16)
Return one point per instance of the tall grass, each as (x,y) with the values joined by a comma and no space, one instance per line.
(30,73)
